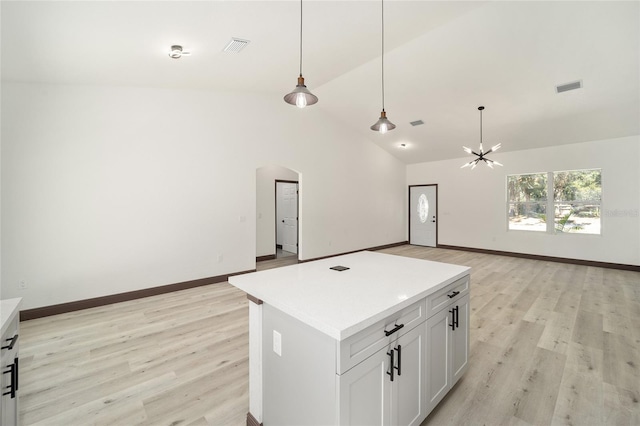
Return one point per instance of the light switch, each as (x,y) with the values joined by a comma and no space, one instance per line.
(277,343)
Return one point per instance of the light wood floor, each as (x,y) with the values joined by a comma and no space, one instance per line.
(551,343)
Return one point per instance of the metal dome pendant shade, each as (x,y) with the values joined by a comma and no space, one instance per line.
(301,96)
(383,124)
(482,155)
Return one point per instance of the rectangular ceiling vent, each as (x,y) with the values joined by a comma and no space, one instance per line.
(569,86)
(416,123)
(236,45)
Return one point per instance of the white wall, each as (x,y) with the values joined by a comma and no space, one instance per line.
(112,189)
(472,203)
(266,206)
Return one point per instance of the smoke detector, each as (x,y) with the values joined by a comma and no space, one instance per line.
(176,52)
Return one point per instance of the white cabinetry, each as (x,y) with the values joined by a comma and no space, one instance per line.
(9,363)
(393,372)
(447,354)
(365,392)
(391,380)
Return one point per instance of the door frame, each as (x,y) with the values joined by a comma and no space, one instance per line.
(275,196)
(409,210)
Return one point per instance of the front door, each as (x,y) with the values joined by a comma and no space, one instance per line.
(423,212)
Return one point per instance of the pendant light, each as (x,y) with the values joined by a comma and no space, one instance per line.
(481,156)
(301,96)
(383,124)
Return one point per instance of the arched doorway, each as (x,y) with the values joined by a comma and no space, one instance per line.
(277,217)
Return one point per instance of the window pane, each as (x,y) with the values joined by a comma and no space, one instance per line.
(579,185)
(527,202)
(577,218)
(528,216)
(577,196)
(527,188)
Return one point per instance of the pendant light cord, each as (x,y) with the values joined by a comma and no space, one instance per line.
(382,55)
(300,38)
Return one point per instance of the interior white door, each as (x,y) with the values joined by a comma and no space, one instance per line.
(423,215)
(288,215)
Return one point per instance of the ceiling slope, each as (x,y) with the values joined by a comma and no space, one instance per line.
(442,61)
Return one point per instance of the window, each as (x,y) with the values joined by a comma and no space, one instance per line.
(577,196)
(527,202)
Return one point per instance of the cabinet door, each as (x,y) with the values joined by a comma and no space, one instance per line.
(365,392)
(407,392)
(460,340)
(8,405)
(438,381)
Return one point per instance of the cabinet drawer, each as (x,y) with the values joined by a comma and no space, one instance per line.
(447,295)
(360,346)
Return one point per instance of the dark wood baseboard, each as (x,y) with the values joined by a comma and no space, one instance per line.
(401,243)
(251,421)
(266,257)
(594,263)
(45,311)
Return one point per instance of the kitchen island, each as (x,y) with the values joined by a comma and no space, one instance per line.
(378,343)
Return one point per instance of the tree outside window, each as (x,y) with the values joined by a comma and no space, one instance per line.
(527,202)
(577,198)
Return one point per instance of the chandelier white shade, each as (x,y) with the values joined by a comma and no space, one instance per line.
(481,156)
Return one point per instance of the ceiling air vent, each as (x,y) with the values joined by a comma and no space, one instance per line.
(236,45)
(569,86)
(417,123)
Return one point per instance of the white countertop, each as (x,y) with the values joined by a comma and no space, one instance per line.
(341,304)
(9,308)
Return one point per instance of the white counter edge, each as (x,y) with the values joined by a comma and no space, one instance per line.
(9,308)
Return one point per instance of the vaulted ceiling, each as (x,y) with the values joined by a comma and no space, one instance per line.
(443,59)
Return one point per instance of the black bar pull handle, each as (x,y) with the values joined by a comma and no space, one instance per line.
(390,372)
(13,341)
(453,319)
(12,387)
(457,313)
(454,294)
(396,328)
(399,367)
